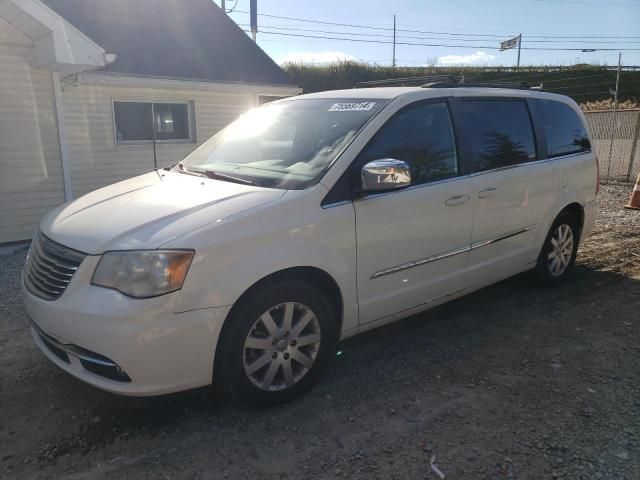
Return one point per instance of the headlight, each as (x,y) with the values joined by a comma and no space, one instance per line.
(143,273)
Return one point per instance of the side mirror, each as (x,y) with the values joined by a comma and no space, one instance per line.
(384,175)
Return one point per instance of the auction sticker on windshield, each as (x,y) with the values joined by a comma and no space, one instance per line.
(352,106)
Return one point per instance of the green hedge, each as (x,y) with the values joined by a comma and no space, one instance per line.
(584,83)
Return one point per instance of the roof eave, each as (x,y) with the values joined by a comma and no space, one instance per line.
(136,80)
(58,44)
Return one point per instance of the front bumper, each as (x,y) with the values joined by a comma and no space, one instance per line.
(140,346)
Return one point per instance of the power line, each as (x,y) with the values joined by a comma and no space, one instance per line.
(334,32)
(528,36)
(280,27)
(359,40)
(589,93)
(371,27)
(583,85)
(583,37)
(570,78)
(485,47)
(537,75)
(630,92)
(581,41)
(584,76)
(319,21)
(583,2)
(502,33)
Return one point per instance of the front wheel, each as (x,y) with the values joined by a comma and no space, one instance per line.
(279,342)
(559,250)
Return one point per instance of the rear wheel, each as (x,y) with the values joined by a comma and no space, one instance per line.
(559,250)
(279,342)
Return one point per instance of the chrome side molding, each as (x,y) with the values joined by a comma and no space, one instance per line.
(484,243)
(450,253)
(422,261)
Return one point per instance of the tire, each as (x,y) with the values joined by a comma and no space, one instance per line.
(566,233)
(261,360)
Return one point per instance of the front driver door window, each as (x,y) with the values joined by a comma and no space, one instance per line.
(422,136)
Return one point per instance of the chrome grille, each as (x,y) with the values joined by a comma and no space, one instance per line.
(50,267)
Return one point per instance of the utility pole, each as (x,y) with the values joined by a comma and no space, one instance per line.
(614,127)
(519,43)
(394,42)
(253,14)
(222,6)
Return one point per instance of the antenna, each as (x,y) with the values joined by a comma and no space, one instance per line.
(153,137)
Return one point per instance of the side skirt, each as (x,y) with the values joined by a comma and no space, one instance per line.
(428,305)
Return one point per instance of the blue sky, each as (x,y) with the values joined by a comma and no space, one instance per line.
(469,19)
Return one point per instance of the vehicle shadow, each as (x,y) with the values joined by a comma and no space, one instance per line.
(452,346)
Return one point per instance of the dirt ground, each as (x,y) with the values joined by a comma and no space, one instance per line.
(510,382)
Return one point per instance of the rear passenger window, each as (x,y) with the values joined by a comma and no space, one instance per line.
(498,132)
(563,129)
(422,136)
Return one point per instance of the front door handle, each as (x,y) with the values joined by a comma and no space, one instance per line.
(487,192)
(457,200)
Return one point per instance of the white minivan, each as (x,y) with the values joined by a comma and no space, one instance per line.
(306,221)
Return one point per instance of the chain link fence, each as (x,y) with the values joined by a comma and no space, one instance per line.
(616,142)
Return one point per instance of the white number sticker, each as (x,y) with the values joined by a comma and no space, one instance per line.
(352,107)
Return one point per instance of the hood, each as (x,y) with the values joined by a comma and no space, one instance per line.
(148,211)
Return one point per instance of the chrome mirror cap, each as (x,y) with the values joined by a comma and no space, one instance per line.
(385,174)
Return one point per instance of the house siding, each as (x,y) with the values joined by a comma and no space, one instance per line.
(97,160)
(31,181)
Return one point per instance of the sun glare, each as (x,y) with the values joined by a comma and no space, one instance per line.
(253,123)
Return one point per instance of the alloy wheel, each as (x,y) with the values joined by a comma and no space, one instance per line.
(281,346)
(559,256)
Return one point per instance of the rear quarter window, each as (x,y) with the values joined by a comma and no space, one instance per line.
(563,129)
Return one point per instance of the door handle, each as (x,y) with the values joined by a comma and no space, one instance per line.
(457,200)
(487,192)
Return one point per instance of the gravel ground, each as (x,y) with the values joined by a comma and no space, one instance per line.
(510,382)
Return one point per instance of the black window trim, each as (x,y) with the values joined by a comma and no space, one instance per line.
(465,152)
(345,189)
(191,121)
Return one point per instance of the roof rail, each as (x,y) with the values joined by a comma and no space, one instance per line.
(462,84)
(407,81)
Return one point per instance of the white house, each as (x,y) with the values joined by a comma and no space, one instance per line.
(82,82)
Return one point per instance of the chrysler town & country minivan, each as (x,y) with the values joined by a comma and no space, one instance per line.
(306,221)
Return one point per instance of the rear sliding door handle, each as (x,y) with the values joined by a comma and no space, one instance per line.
(487,192)
(457,200)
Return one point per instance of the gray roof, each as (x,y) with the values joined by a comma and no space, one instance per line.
(374,92)
(189,39)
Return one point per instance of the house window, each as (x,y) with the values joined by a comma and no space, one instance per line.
(137,122)
(262,99)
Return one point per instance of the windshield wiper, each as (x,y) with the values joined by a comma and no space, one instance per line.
(223,176)
(181,169)
(214,175)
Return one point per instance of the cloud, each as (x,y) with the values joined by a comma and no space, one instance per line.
(472,58)
(316,57)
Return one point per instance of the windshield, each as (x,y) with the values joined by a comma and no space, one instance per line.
(286,145)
